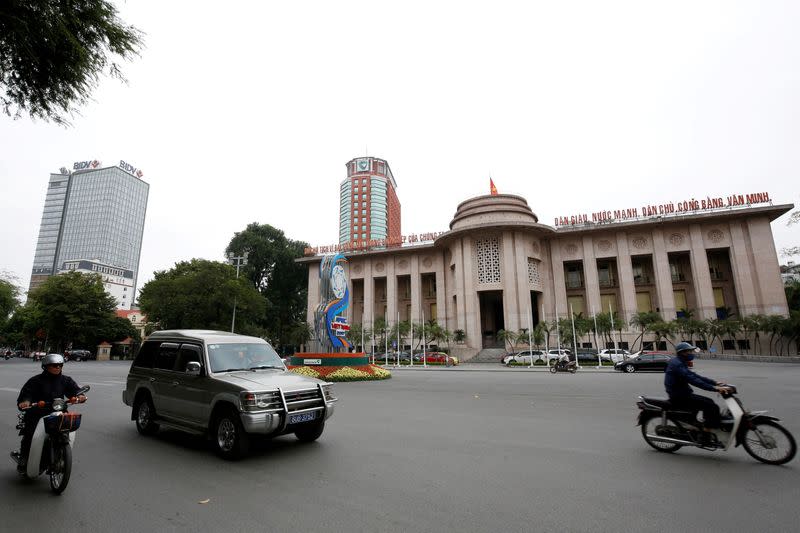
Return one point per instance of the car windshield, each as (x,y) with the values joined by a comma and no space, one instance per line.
(242,356)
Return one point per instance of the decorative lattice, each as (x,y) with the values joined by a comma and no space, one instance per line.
(534,278)
(639,242)
(715,235)
(676,239)
(604,245)
(488,255)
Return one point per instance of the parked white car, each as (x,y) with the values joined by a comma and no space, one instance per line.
(555,354)
(614,355)
(524,357)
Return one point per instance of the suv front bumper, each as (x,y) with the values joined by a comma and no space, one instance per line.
(266,423)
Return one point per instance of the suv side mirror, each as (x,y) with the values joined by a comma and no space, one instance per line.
(193,368)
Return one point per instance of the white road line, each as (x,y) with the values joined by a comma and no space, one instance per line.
(113,384)
(7,389)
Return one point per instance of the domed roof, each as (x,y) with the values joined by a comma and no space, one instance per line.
(493,210)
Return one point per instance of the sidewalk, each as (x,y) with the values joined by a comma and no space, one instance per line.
(486,367)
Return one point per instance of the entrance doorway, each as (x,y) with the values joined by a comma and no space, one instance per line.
(491,312)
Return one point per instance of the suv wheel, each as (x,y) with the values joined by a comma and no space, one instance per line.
(230,440)
(310,432)
(145,414)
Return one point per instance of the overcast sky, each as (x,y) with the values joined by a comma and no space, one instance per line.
(249,114)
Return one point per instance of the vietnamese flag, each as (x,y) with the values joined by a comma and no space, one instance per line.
(492,188)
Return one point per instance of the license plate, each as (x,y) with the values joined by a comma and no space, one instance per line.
(302,417)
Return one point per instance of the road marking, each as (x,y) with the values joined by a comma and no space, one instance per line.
(112,384)
(7,389)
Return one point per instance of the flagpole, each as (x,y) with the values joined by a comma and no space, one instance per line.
(412,341)
(424,353)
(611,312)
(362,330)
(397,352)
(546,341)
(530,325)
(574,338)
(594,316)
(372,337)
(386,338)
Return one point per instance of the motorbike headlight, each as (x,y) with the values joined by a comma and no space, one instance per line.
(59,405)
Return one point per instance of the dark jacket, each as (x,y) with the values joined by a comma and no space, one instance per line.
(678,377)
(47,387)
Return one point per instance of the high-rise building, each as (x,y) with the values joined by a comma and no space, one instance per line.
(368,204)
(93,221)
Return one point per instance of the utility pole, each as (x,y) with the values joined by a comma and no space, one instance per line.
(238,261)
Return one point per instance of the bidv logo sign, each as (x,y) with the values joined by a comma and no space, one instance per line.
(84,165)
(130,169)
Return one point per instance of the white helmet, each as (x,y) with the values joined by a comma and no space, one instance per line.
(52,359)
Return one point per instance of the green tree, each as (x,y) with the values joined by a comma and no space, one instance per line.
(200,294)
(508,338)
(74,309)
(663,330)
(53,53)
(272,270)
(459,336)
(9,301)
(354,335)
(642,321)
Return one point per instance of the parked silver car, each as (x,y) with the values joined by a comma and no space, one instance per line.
(224,385)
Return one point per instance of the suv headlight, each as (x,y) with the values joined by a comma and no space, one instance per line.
(260,401)
(327,390)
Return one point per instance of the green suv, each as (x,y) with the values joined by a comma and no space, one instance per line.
(224,385)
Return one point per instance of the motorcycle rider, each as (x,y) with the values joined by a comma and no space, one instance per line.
(47,386)
(677,379)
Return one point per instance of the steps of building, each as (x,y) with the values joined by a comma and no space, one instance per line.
(488,355)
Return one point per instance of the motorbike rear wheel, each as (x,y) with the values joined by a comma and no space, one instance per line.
(553,370)
(61,468)
(649,428)
(769,442)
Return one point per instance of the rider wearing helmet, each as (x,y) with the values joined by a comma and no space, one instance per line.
(677,379)
(47,386)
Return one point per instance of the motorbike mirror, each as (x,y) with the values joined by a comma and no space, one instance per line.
(83,390)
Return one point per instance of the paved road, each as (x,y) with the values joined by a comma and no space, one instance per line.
(436,450)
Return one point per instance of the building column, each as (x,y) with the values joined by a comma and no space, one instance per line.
(559,287)
(441,292)
(666,299)
(742,274)
(547,286)
(627,287)
(369,292)
(701,277)
(590,276)
(391,292)
(508,279)
(768,274)
(472,319)
(416,290)
(461,309)
(523,286)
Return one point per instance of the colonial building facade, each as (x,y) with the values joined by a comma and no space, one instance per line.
(498,268)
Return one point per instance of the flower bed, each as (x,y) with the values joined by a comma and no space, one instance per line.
(342,373)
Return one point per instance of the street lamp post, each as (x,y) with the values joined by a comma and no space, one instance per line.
(238,261)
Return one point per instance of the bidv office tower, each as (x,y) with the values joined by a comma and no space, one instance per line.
(93,221)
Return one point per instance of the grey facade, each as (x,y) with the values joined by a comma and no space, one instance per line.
(92,215)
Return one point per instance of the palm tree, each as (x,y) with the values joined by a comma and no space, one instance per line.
(459,336)
(642,321)
(354,335)
(604,327)
(730,327)
(662,329)
(508,338)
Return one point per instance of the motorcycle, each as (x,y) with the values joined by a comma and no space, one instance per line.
(52,442)
(564,366)
(668,429)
